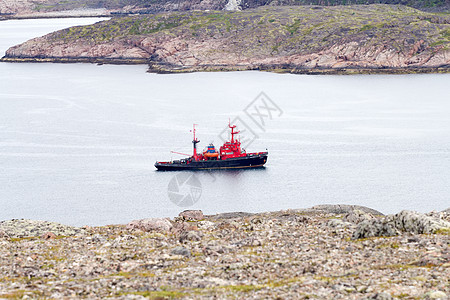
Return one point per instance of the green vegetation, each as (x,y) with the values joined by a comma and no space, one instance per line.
(158,294)
(279,31)
(299,39)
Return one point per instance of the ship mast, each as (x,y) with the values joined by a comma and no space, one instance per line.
(195,141)
(232,131)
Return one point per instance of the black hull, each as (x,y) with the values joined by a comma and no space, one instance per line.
(249,161)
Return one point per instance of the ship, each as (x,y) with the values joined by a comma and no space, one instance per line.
(229,156)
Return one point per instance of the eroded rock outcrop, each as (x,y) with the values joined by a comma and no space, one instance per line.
(405,221)
(151,224)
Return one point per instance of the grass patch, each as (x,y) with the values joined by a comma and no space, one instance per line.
(19,294)
(158,294)
(444,231)
(28,238)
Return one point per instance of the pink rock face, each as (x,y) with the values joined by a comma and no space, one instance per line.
(151,224)
(192,215)
(48,236)
(191,53)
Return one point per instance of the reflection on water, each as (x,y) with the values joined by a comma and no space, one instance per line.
(78,141)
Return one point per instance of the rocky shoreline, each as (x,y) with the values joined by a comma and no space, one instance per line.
(325,252)
(159,68)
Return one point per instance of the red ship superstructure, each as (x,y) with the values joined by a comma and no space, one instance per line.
(229,156)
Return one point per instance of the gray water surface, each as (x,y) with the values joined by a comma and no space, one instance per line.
(78,141)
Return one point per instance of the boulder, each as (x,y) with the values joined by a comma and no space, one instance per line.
(357,216)
(405,221)
(151,224)
(181,251)
(192,215)
(48,236)
(382,227)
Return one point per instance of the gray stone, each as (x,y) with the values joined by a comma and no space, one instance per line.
(233,5)
(181,251)
(231,215)
(405,221)
(381,296)
(151,224)
(189,236)
(344,209)
(338,223)
(414,222)
(357,216)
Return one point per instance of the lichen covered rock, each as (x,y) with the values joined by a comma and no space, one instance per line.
(405,221)
(151,224)
(19,228)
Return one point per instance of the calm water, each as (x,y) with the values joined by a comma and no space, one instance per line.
(78,142)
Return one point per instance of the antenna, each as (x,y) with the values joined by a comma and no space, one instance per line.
(194,142)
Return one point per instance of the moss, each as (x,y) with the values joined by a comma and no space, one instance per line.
(19,294)
(403,296)
(13,295)
(444,231)
(242,288)
(293,28)
(21,239)
(419,278)
(367,27)
(392,245)
(401,267)
(157,294)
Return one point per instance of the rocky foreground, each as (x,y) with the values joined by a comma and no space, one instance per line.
(327,252)
(305,39)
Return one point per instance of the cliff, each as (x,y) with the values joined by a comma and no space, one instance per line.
(298,39)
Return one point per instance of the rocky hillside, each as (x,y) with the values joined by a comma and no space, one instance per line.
(52,8)
(295,39)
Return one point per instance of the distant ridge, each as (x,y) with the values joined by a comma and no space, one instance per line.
(61,8)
